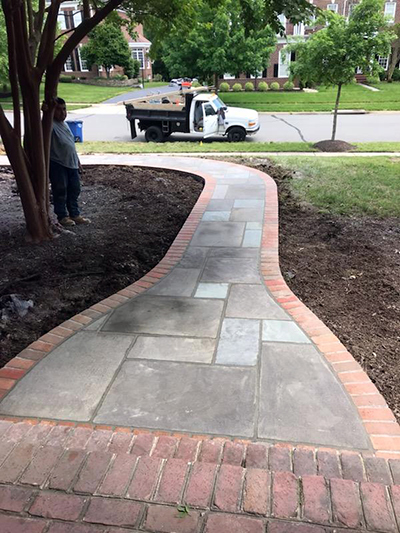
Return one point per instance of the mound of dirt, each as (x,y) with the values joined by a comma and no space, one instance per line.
(334,146)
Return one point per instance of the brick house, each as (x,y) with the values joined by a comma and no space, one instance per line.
(70,16)
(278,69)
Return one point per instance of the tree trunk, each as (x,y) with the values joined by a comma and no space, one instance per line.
(216,81)
(394,59)
(335,113)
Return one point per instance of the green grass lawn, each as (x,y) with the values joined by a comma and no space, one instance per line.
(90,147)
(353,97)
(347,186)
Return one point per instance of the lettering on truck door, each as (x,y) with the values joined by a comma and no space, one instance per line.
(210,120)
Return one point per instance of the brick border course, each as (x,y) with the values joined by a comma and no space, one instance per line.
(379,422)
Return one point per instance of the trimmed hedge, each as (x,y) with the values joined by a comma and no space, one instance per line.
(237,88)
(224,87)
(263,86)
(288,86)
(274,86)
(249,86)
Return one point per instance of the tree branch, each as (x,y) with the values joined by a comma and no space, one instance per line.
(30,17)
(86,9)
(65,33)
(46,48)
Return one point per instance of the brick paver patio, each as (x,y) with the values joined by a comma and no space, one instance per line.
(207,383)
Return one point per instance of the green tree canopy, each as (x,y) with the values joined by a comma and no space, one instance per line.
(218,42)
(332,55)
(107,47)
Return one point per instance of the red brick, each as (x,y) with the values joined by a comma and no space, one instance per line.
(121,443)
(386,443)
(224,523)
(187,449)
(14,498)
(172,481)
(58,436)
(13,524)
(57,505)
(369,400)
(66,469)
(378,514)
(228,488)
(377,470)
(395,490)
(346,503)
(328,464)
(113,512)
(316,507)
(256,456)
(382,428)
(93,471)
(304,462)
(257,493)
(290,527)
(6,384)
(98,440)
(41,465)
(142,444)
(79,438)
(233,453)
(118,476)
(12,373)
(145,478)
(210,451)
(377,414)
(166,519)
(33,355)
(64,527)
(16,462)
(5,425)
(352,466)
(17,362)
(165,447)
(279,459)
(201,484)
(285,493)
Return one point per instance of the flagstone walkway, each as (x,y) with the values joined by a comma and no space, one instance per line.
(212,344)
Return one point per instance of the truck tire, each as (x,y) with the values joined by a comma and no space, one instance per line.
(236,134)
(154,134)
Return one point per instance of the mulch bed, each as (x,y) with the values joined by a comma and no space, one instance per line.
(334,146)
(135,213)
(347,271)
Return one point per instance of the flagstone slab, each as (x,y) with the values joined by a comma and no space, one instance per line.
(173,349)
(239,342)
(218,234)
(302,401)
(245,191)
(231,270)
(182,397)
(179,282)
(253,301)
(68,384)
(166,315)
(247,215)
(194,257)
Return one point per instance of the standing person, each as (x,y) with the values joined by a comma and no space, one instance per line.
(65,168)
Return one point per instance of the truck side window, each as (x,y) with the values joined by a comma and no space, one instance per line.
(209,110)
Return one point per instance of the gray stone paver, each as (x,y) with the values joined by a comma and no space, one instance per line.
(187,354)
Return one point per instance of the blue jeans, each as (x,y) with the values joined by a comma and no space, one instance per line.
(66,187)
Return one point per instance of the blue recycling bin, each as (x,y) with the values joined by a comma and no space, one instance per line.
(76,127)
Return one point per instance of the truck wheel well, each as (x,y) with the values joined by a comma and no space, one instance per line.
(236,134)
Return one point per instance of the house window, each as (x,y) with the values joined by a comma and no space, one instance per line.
(284,64)
(276,70)
(139,56)
(333,7)
(383,62)
(82,62)
(298,29)
(282,20)
(352,8)
(68,66)
(61,21)
(228,77)
(390,11)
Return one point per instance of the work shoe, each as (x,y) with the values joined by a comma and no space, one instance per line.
(81,220)
(66,221)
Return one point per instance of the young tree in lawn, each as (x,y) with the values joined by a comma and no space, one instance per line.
(394,52)
(31,27)
(332,55)
(107,47)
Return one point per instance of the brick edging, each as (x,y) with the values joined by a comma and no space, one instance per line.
(22,363)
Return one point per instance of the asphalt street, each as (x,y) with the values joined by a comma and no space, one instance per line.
(108,123)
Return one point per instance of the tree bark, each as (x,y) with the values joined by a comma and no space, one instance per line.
(216,81)
(335,113)
(394,59)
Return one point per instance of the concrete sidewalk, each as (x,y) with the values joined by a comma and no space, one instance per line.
(212,344)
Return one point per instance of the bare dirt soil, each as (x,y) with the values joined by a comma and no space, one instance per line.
(334,146)
(347,271)
(135,213)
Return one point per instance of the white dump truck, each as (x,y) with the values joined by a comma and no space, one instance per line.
(198,113)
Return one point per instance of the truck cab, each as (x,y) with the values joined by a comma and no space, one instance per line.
(200,114)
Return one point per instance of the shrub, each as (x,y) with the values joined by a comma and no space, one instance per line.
(373,79)
(249,86)
(65,79)
(274,86)
(396,74)
(288,86)
(263,86)
(237,88)
(224,87)
(119,77)
(157,77)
